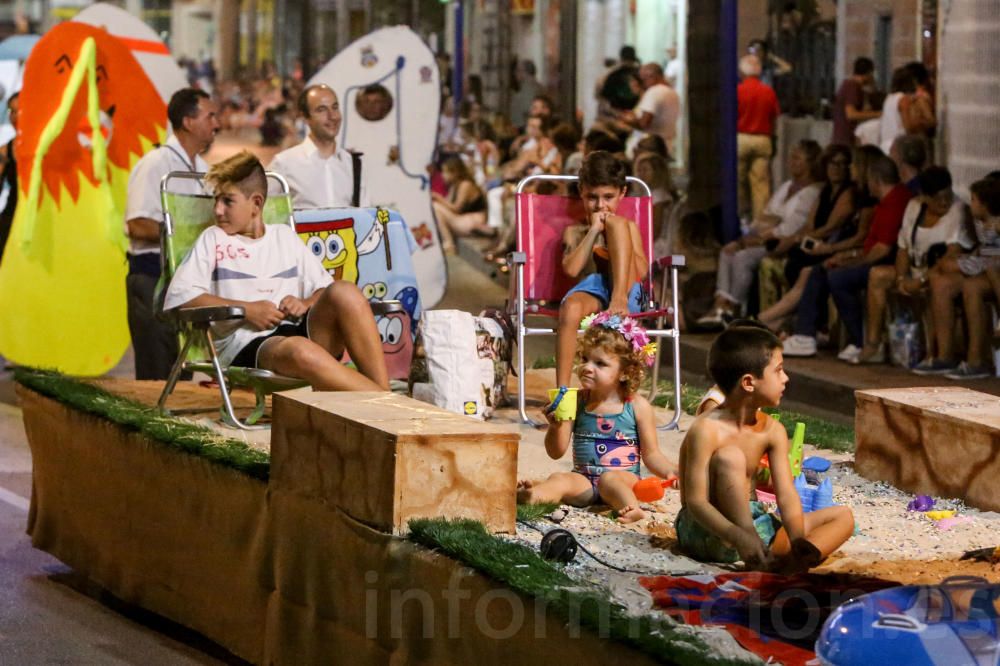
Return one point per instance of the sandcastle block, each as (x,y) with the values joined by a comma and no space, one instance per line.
(386,459)
(939,441)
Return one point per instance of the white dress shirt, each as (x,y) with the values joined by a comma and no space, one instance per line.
(318,182)
(143,198)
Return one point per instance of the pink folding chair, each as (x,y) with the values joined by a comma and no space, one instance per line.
(539,282)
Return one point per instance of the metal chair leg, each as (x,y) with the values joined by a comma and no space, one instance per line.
(229,414)
(674,423)
(175,373)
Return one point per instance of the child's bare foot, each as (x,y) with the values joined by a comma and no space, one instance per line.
(803,557)
(524,491)
(630,514)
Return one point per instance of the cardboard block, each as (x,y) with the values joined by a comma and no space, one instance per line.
(385,459)
(941,441)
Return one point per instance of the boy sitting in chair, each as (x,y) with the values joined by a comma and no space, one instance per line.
(298,322)
(718,521)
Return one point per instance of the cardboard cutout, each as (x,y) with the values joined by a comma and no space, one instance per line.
(145,45)
(88,113)
(372,248)
(388,87)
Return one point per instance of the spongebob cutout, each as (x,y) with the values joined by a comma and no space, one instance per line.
(380,263)
(334,243)
(89,112)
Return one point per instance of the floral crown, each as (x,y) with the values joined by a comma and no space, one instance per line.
(629,329)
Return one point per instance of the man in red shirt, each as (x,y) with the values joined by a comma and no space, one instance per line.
(849,104)
(757,109)
(845,275)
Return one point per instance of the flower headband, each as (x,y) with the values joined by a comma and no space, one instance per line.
(629,329)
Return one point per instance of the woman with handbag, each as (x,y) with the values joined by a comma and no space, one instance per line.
(934,227)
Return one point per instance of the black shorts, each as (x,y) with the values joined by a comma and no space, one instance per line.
(247,357)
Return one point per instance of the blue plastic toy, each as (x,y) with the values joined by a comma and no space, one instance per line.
(956,622)
(816,464)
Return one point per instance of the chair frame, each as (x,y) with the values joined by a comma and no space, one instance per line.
(518,259)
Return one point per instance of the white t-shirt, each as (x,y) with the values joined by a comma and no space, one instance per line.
(144,186)
(948,230)
(664,104)
(794,211)
(316,182)
(239,268)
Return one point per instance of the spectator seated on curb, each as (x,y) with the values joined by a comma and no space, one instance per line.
(783,217)
(829,241)
(934,228)
(844,275)
(975,279)
(462,212)
(910,155)
(827,219)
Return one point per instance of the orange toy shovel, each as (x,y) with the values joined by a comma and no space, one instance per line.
(651,488)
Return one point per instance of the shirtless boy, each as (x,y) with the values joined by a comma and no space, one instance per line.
(718,522)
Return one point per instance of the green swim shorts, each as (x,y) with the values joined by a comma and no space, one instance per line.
(697,542)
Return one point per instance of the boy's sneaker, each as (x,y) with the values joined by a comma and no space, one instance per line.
(799,345)
(850,354)
(966,371)
(934,366)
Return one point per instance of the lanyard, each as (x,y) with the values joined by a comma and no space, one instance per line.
(189,165)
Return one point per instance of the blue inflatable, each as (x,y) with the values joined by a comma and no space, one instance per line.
(951,624)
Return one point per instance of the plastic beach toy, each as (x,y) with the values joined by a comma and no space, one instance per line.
(651,488)
(816,464)
(921,503)
(955,622)
(795,453)
(563,403)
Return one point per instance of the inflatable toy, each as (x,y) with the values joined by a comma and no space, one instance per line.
(956,622)
(89,112)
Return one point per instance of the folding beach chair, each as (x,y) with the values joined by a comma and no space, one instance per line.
(185,216)
(539,283)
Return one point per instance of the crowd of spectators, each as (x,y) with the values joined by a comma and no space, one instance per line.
(867,248)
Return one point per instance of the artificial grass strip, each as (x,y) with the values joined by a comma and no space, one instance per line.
(524,571)
(532,512)
(169,430)
(820,433)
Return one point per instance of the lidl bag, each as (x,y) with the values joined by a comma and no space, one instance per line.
(455,362)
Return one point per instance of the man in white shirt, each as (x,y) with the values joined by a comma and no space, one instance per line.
(658,108)
(192,116)
(319,172)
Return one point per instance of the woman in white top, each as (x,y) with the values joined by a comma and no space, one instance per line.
(785,214)
(934,226)
(891,123)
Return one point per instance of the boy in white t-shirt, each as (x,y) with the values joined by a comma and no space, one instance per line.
(298,320)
